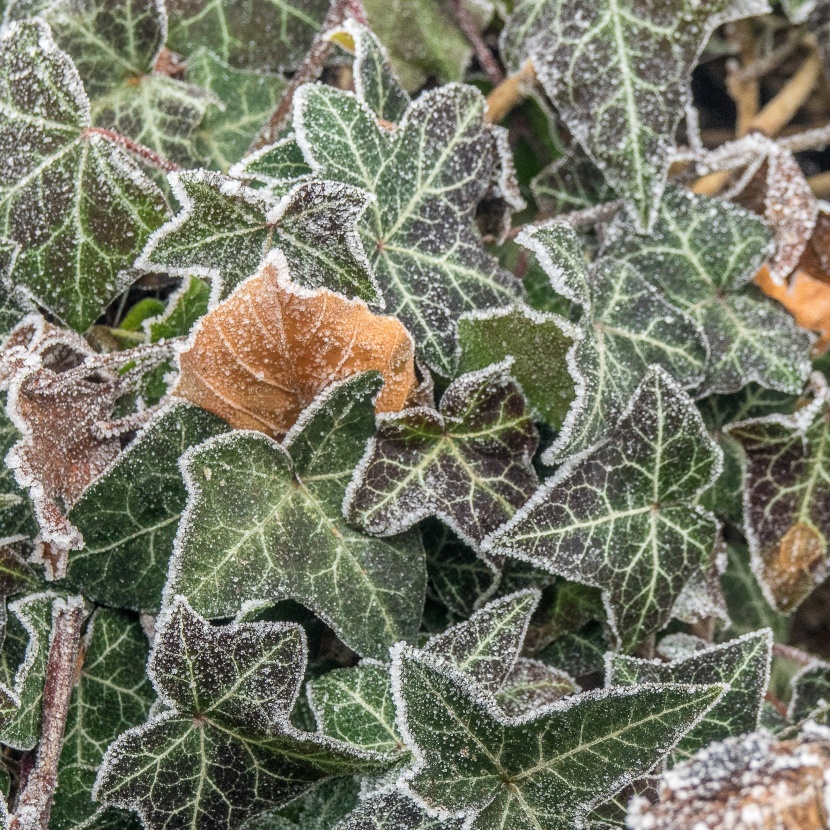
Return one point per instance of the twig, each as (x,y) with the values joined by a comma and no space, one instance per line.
(135,148)
(763,66)
(310,69)
(485,57)
(745,92)
(34,806)
(793,653)
(776,704)
(816,139)
(510,92)
(820,184)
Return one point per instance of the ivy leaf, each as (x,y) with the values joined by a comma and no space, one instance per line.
(72,200)
(786,501)
(541,346)
(318,809)
(811,693)
(418,233)
(184,307)
(225,231)
(578,652)
(16,514)
(264,522)
(394,811)
(245,99)
(262,377)
(625,327)
(742,665)
(549,769)
(469,464)
(112,694)
(278,166)
(703,253)
(532,685)
(128,517)
(647,53)
(570,183)
(228,692)
(623,518)
(267,35)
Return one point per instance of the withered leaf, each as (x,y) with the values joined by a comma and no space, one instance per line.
(262,356)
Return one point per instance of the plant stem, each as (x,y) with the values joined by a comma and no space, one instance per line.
(310,69)
(485,57)
(745,92)
(135,148)
(510,92)
(34,806)
(792,653)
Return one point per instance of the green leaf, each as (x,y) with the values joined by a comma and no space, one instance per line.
(546,770)
(572,182)
(129,516)
(811,693)
(267,35)
(618,73)
(319,809)
(625,327)
(578,652)
(532,685)
(623,518)
(225,230)
(244,100)
(278,166)
(787,501)
(228,692)
(467,464)
(394,811)
(112,694)
(743,665)
(541,346)
(16,513)
(703,253)
(75,203)
(184,308)
(418,233)
(264,522)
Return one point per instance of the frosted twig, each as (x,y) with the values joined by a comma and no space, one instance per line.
(815,139)
(310,69)
(485,57)
(135,148)
(34,806)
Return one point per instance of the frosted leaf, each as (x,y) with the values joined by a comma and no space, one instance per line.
(468,464)
(787,501)
(278,166)
(428,175)
(243,101)
(318,809)
(532,685)
(394,811)
(228,692)
(578,652)
(743,665)
(548,768)
(112,694)
(702,254)
(184,308)
(625,327)
(810,693)
(268,35)
(16,514)
(225,231)
(264,522)
(542,348)
(798,10)
(622,518)
(128,517)
(71,199)
(572,182)
(618,73)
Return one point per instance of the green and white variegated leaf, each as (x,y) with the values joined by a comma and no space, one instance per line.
(572,182)
(702,254)
(625,327)
(468,464)
(243,102)
(225,230)
(810,694)
(278,166)
(374,79)
(17,517)
(227,693)
(787,500)
(264,522)
(618,73)
(112,695)
(265,35)
(418,233)
(543,352)
(319,809)
(184,307)
(23,668)
(623,517)
(75,203)
(547,769)
(129,516)
(531,685)
(743,665)
(578,652)
(394,811)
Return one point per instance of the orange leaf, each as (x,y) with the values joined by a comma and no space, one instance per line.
(806,298)
(262,356)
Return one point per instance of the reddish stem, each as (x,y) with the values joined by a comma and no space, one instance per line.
(485,57)
(792,653)
(310,69)
(135,148)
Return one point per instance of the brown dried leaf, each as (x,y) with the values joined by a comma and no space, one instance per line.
(262,356)
(748,783)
